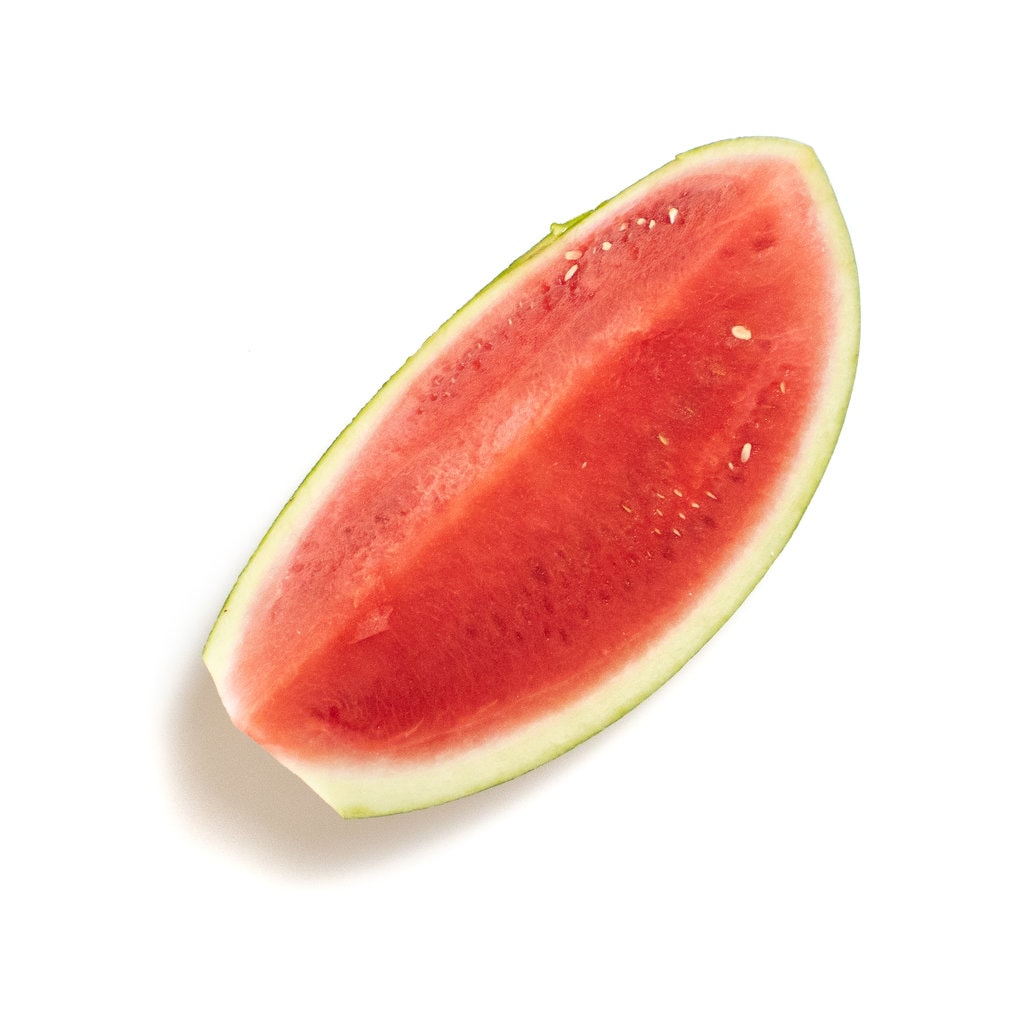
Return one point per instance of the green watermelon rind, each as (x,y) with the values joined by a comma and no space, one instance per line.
(374,788)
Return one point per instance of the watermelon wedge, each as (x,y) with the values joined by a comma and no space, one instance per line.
(561,496)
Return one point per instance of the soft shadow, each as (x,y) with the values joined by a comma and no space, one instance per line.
(238,797)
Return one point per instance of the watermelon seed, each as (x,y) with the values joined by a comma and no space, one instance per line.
(641,221)
(626,508)
(622,227)
(782,386)
(572,270)
(710,495)
(658,512)
(682,515)
(672,214)
(663,439)
(745,452)
(606,246)
(573,254)
(694,504)
(678,493)
(651,224)
(657,531)
(676,532)
(741,332)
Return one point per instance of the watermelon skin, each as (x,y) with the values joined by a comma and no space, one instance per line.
(556,502)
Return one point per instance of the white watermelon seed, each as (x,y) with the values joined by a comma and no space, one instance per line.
(573,254)
(745,452)
(606,246)
(572,270)
(672,214)
(741,332)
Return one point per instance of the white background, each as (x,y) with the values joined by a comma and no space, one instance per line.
(222,227)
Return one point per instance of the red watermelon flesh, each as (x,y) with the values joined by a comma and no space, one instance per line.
(561,496)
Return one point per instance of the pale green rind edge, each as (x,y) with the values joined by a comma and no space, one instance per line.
(364,791)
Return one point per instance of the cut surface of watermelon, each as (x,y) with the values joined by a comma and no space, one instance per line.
(561,496)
